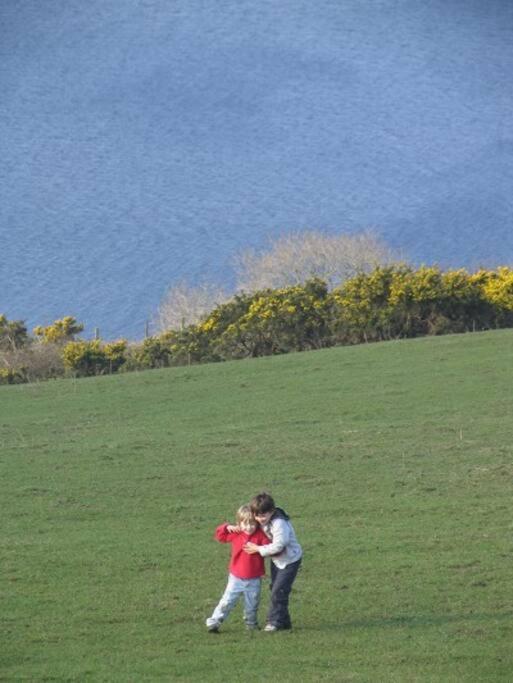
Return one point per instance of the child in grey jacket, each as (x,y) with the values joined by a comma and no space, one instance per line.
(285,553)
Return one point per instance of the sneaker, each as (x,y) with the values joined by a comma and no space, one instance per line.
(213,627)
(270,628)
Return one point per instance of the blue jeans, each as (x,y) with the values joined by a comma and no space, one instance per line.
(250,589)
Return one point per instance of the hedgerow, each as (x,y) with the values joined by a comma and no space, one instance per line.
(390,302)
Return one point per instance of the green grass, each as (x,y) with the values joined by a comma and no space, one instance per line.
(395,461)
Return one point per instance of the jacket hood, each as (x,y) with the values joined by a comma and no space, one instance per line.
(280,513)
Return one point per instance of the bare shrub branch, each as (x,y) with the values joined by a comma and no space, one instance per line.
(185,305)
(299,256)
(36,362)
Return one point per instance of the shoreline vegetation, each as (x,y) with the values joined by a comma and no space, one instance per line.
(386,302)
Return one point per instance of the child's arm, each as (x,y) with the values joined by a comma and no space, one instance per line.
(281,536)
(225,533)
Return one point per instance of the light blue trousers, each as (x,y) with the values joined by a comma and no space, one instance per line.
(250,589)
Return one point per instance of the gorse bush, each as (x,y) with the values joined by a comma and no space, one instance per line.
(154,352)
(87,358)
(498,289)
(54,352)
(390,302)
(13,376)
(288,260)
(394,302)
(60,331)
(278,321)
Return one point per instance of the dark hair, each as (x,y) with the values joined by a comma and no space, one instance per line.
(262,503)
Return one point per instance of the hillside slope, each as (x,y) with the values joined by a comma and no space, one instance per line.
(394,460)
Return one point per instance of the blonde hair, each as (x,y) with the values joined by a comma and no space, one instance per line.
(245,516)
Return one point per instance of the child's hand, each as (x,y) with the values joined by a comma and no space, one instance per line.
(231,529)
(250,548)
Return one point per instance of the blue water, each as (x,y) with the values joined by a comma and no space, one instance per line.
(146,141)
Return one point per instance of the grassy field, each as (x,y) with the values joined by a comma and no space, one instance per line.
(394,460)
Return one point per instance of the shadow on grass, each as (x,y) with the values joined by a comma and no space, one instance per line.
(417,620)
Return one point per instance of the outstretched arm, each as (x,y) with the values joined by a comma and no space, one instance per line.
(225,533)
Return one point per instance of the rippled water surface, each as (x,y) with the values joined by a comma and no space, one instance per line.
(146,141)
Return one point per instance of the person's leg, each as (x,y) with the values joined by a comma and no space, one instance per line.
(229,599)
(251,602)
(274,570)
(282,581)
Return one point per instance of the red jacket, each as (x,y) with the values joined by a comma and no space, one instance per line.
(242,565)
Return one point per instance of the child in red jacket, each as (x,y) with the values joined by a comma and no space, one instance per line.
(245,571)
